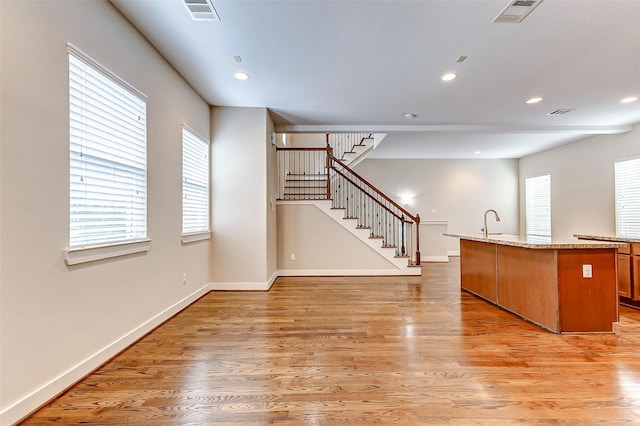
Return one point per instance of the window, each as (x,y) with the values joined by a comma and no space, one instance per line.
(627,189)
(538,206)
(108,156)
(195,184)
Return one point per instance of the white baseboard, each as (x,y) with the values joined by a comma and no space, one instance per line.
(257,286)
(245,286)
(34,400)
(273,278)
(348,272)
(435,259)
(453,253)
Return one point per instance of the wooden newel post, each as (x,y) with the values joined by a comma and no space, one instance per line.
(417,239)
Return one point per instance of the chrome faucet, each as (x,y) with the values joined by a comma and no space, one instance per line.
(485,230)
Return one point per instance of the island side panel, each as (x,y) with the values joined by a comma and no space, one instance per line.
(528,284)
(478,269)
(587,304)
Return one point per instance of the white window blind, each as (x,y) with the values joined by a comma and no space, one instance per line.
(108,156)
(627,189)
(538,206)
(195,183)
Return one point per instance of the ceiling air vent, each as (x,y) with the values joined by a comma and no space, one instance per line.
(201,10)
(516,11)
(560,111)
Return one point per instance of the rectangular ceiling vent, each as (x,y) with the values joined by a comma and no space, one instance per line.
(201,10)
(516,11)
(560,111)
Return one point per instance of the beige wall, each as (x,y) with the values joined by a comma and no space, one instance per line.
(58,322)
(582,182)
(242,186)
(307,140)
(320,244)
(270,203)
(456,191)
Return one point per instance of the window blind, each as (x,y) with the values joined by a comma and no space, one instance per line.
(195,183)
(108,156)
(538,206)
(627,193)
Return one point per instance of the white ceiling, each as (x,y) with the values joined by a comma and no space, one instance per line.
(353,65)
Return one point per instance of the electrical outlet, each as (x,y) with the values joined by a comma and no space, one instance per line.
(184,279)
(293,256)
(587,271)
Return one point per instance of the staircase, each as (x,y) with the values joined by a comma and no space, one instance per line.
(301,186)
(317,175)
(351,148)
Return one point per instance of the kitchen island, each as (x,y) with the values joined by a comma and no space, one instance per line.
(563,286)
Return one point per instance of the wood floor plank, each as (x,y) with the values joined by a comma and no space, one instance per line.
(360,350)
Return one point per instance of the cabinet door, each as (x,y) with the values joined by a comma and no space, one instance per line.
(635,273)
(624,275)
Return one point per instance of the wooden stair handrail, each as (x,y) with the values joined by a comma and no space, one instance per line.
(331,159)
(415,218)
(369,195)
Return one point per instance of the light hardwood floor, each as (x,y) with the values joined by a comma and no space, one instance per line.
(345,351)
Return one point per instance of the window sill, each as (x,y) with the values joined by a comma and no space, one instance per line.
(196,236)
(75,256)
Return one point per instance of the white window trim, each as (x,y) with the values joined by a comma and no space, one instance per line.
(630,229)
(196,236)
(527,219)
(77,255)
(100,68)
(205,234)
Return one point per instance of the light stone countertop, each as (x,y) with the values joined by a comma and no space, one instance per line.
(607,238)
(533,242)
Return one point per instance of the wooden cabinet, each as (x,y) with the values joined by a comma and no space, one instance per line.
(628,269)
(624,276)
(479,272)
(635,271)
(629,273)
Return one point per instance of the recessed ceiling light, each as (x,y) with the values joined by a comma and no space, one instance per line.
(478,152)
(449,76)
(629,99)
(410,115)
(534,100)
(241,76)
